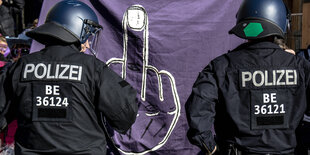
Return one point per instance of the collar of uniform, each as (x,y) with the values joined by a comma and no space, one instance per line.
(258,45)
(263,45)
(62,49)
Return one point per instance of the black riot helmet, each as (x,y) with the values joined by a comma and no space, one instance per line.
(261,18)
(69,21)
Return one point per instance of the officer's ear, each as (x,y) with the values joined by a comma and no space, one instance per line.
(84,46)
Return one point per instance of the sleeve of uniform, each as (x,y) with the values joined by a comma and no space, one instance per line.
(200,110)
(117,100)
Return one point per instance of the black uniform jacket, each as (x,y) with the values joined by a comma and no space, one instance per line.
(56,95)
(254,97)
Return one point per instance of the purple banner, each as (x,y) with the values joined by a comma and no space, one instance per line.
(159,47)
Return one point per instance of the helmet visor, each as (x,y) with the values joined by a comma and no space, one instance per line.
(90,34)
(92,41)
(89,28)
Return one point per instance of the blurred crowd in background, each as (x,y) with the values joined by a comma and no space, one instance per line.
(16,18)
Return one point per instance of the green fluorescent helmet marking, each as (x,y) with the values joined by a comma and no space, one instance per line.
(253,29)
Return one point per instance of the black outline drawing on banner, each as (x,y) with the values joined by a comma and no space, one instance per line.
(136,18)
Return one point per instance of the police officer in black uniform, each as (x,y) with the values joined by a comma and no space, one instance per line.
(255,95)
(56,94)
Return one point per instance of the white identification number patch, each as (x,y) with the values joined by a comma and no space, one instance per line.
(269,109)
(52,101)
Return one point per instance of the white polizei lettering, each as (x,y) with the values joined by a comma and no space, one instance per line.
(289,76)
(49,72)
(282,72)
(57,71)
(61,75)
(262,78)
(28,69)
(266,78)
(37,69)
(53,71)
(80,73)
(244,78)
(72,72)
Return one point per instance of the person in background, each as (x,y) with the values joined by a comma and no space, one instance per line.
(3,61)
(304,53)
(3,49)
(255,95)
(6,21)
(23,34)
(18,47)
(8,10)
(19,50)
(302,132)
(59,94)
(32,11)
